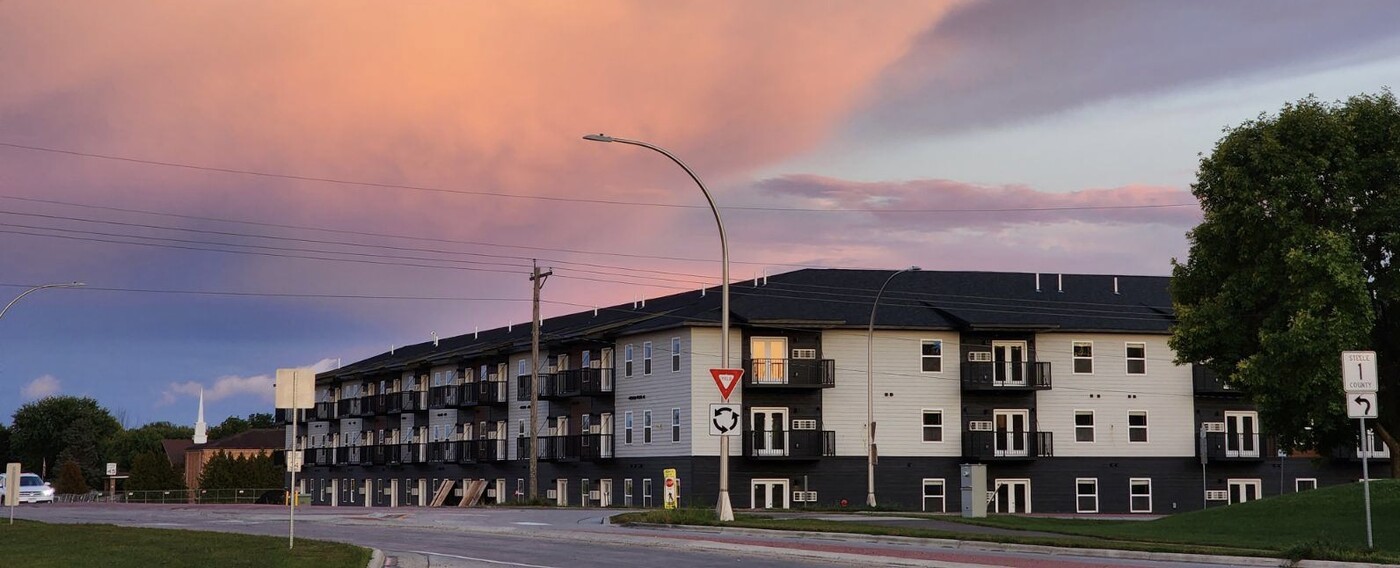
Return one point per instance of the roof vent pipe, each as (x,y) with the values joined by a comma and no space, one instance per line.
(476,332)
(1060,280)
(1115,285)
(435,338)
(391,348)
(509,326)
(1037,282)
(765,277)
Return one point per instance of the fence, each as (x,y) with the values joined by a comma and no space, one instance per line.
(187,496)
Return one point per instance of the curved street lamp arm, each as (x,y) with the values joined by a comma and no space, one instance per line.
(36,289)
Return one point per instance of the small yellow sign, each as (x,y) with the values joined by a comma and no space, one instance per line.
(671,488)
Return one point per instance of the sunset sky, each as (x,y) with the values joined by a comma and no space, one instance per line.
(247,185)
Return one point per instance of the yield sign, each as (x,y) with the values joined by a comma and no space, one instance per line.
(727,379)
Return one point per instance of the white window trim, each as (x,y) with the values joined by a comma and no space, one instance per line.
(1075,358)
(942,432)
(922,342)
(675,425)
(627,353)
(1078,495)
(1146,427)
(646,427)
(627,428)
(646,357)
(1093,427)
(675,354)
(1139,481)
(1297,484)
(924,497)
(646,491)
(1127,359)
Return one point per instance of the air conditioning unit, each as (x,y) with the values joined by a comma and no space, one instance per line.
(1213,426)
(804,424)
(551,494)
(1217,495)
(492,493)
(980,426)
(811,496)
(979,356)
(804,353)
(804,496)
(595,495)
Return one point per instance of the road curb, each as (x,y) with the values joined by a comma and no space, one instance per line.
(376,558)
(1034,548)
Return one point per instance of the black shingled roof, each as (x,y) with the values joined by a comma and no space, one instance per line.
(841,298)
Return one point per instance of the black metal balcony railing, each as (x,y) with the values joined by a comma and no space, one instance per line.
(1223,446)
(409,452)
(790,373)
(444,397)
(576,382)
(1006,445)
(322,456)
(349,407)
(371,405)
(324,411)
(1205,382)
(412,401)
(1005,376)
(447,452)
(789,444)
(484,393)
(522,387)
(362,455)
(488,450)
(570,447)
(393,403)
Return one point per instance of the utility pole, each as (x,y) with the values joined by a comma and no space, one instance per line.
(537,279)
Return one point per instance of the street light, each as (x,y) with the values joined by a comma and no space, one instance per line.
(723,510)
(36,289)
(870,391)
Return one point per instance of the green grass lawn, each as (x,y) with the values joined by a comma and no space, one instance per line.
(40,545)
(1322,524)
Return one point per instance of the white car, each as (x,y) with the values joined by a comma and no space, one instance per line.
(32,489)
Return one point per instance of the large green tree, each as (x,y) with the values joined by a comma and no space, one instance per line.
(77,428)
(4,443)
(223,471)
(146,439)
(152,471)
(1292,264)
(236,425)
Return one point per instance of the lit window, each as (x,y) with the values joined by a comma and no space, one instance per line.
(1083,425)
(1137,425)
(933,425)
(1086,495)
(1136,356)
(932,355)
(1083,357)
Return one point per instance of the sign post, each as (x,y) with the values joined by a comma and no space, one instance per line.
(294,389)
(726,380)
(12,488)
(1359,382)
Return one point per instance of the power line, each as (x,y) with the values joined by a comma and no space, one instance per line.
(477,193)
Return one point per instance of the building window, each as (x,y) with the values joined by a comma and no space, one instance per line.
(646,358)
(1086,495)
(646,492)
(675,354)
(646,426)
(519,489)
(675,424)
(627,427)
(627,360)
(1136,356)
(934,497)
(1083,425)
(1137,426)
(1305,484)
(627,492)
(1083,357)
(933,425)
(932,355)
(1140,495)
(586,359)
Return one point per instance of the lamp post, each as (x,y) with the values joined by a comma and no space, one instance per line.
(36,289)
(870,390)
(723,510)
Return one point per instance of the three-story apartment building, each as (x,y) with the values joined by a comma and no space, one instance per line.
(1063,385)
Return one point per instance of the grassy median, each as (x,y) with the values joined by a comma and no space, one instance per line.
(40,545)
(1325,524)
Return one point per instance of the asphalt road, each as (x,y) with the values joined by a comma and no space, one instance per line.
(557,538)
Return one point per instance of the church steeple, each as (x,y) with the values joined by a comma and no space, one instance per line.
(201,434)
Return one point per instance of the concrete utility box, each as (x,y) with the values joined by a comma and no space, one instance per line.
(973,478)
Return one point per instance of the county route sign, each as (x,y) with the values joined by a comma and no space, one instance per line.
(1359,372)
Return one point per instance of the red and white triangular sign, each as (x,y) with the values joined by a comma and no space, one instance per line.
(727,379)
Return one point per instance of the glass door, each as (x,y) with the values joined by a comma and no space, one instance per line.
(1241,435)
(1009,363)
(1012,432)
(769,356)
(769,431)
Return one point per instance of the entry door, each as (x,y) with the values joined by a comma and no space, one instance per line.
(769,427)
(1009,363)
(769,494)
(1241,435)
(369,492)
(393,492)
(335,492)
(1244,490)
(769,356)
(561,492)
(605,493)
(1012,432)
(1013,496)
(607,364)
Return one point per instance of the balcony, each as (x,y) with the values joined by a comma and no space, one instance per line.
(411,401)
(444,397)
(789,444)
(382,454)
(323,411)
(349,407)
(354,455)
(576,382)
(1005,376)
(371,405)
(444,451)
(570,447)
(1243,447)
(323,456)
(789,373)
(487,450)
(1206,383)
(1007,445)
(410,452)
(484,393)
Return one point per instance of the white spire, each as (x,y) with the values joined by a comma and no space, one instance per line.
(201,434)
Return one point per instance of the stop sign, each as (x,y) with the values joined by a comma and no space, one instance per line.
(670,482)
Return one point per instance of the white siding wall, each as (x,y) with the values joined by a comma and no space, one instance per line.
(704,345)
(897,370)
(663,390)
(1164,392)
